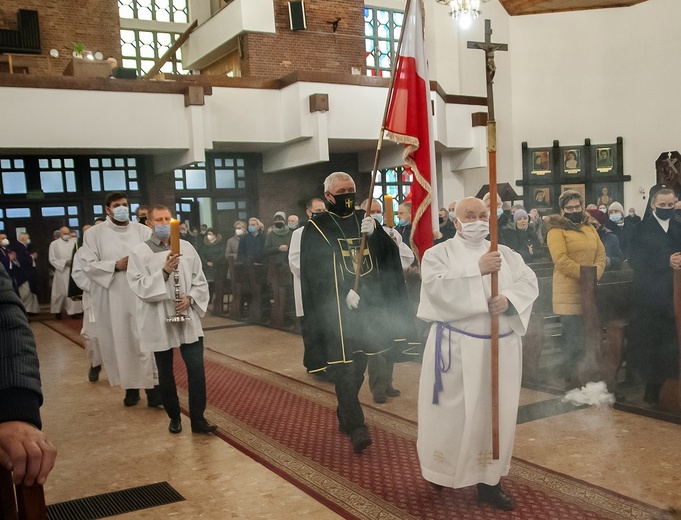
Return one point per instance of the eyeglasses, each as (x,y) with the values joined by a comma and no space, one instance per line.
(573,208)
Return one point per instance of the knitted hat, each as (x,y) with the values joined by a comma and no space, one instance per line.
(519,213)
(598,215)
(280,214)
(616,206)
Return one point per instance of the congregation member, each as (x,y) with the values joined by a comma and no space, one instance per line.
(232,247)
(293,222)
(27,288)
(150,275)
(522,239)
(141,214)
(252,244)
(452,210)
(8,260)
(404,222)
(619,225)
(313,207)
(503,222)
(24,449)
(211,252)
(537,225)
(655,253)
(455,397)
(346,324)
(632,217)
(573,242)
(614,258)
(104,258)
(88,330)
(278,240)
(447,229)
(60,256)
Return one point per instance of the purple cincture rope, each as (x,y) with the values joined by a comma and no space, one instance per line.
(440,366)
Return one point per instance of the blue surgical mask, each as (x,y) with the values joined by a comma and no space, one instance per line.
(403,222)
(292,226)
(121,213)
(378,218)
(664,213)
(616,217)
(452,215)
(251,229)
(162,231)
(500,212)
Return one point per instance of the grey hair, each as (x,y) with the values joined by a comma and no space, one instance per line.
(336,176)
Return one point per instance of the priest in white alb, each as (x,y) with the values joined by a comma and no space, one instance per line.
(151,277)
(59,255)
(455,398)
(104,258)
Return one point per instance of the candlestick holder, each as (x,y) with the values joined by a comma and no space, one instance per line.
(177,318)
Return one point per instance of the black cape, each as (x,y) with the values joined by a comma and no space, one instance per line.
(381,322)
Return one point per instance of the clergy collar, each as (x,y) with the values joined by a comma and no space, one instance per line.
(159,242)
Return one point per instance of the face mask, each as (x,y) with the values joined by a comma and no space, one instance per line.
(121,214)
(142,220)
(576,217)
(239,231)
(616,217)
(664,213)
(441,219)
(344,205)
(603,210)
(500,212)
(631,213)
(292,226)
(210,237)
(162,231)
(28,242)
(475,231)
(183,232)
(65,238)
(279,225)
(403,222)
(5,242)
(451,215)
(378,218)
(251,229)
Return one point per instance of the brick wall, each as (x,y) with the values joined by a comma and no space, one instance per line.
(289,190)
(94,23)
(316,48)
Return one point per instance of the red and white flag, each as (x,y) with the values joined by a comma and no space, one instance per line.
(410,122)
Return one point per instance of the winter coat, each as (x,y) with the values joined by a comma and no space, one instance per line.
(571,246)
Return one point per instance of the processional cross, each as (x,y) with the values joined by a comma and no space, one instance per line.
(490,48)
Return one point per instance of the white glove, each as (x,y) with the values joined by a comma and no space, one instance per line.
(352,299)
(368,225)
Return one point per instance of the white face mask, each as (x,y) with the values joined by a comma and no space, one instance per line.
(475,231)
(5,242)
(65,237)
(238,231)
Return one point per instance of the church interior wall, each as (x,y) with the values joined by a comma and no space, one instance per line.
(599,74)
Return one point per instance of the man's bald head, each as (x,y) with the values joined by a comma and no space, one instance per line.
(64,230)
(468,206)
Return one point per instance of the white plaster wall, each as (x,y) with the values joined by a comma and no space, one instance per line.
(600,74)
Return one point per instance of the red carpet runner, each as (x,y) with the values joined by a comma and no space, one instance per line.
(291,427)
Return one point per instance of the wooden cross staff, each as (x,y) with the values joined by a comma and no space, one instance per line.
(490,48)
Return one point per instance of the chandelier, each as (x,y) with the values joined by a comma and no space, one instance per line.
(465,11)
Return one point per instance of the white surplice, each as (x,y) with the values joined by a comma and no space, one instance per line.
(155,299)
(113,303)
(89,331)
(60,252)
(294,265)
(406,254)
(455,435)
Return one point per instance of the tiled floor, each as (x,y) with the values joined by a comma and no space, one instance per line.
(105,447)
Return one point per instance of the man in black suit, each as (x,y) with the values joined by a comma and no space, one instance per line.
(655,252)
(24,449)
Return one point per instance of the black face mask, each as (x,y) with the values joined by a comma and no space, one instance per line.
(142,220)
(279,225)
(576,217)
(441,219)
(344,205)
(664,213)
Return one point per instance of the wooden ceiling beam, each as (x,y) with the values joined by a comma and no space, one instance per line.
(524,7)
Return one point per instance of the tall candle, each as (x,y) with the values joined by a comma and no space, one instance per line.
(388,212)
(175,236)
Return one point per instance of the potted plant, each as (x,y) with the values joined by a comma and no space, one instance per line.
(78,49)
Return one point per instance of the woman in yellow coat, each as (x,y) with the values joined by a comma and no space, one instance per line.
(573,242)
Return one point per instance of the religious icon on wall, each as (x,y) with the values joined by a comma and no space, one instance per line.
(604,162)
(541,164)
(668,166)
(572,161)
(605,193)
(541,198)
(579,188)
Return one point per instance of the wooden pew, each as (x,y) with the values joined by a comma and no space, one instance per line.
(27,504)
(534,340)
(281,281)
(240,288)
(257,278)
(219,283)
(670,396)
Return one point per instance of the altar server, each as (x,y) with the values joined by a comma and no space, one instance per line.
(60,254)
(455,400)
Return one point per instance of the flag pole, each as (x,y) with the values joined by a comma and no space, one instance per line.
(377,156)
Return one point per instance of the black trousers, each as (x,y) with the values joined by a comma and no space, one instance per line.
(573,344)
(652,347)
(348,379)
(380,373)
(192,355)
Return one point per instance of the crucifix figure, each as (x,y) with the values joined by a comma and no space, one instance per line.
(489,48)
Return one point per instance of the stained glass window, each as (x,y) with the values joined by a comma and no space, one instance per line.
(382,28)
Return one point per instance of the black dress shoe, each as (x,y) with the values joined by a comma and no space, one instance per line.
(93,374)
(203,426)
(391,392)
(132,397)
(57,316)
(175,426)
(360,439)
(153,397)
(495,497)
(380,399)
(437,487)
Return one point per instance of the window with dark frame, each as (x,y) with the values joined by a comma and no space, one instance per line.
(382,29)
